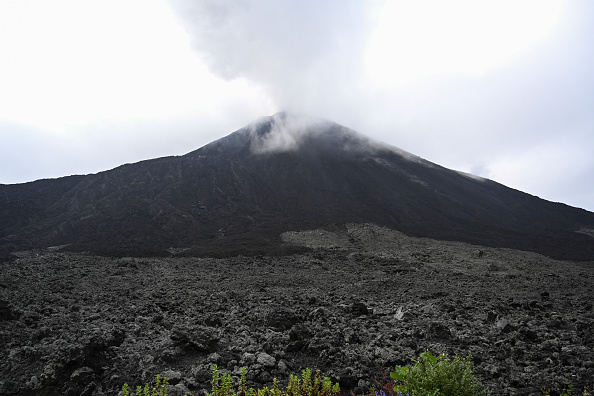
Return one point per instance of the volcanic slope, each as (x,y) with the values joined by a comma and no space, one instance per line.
(281,173)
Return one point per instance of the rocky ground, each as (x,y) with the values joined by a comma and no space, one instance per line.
(361,300)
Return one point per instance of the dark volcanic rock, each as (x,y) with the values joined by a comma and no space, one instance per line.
(7,312)
(237,194)
(200,338)
(91,323)
(359,308)
(438,331)
(282,319)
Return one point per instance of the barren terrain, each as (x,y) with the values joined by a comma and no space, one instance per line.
(360,300)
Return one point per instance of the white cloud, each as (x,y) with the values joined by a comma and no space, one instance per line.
(557,169)
(426,38)
(72,63)
(302,53)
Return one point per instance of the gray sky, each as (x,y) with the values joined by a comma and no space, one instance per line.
(502,89)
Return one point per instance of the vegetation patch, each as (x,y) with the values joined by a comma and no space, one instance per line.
(438,375)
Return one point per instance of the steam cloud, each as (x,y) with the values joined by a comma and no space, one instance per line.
(286,133)
(304,54)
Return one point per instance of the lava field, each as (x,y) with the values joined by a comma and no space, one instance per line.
(356,301)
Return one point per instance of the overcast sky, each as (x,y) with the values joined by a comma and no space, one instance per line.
(501,89)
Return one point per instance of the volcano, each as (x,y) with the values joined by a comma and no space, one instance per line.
(281,173)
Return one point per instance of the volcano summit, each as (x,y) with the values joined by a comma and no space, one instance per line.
(281,173)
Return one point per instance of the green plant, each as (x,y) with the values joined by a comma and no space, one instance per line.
(305,387)
(159,388)
(431,375)
(222,385)
(564,391)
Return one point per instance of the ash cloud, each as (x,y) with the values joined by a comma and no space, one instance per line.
(286,133)
(302,53)
(289,131)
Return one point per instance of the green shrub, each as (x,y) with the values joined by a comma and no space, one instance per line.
(432,376)
(305,387)
(222,385)
(564,391)
(159,388)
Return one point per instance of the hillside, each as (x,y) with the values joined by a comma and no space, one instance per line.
(280,173)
